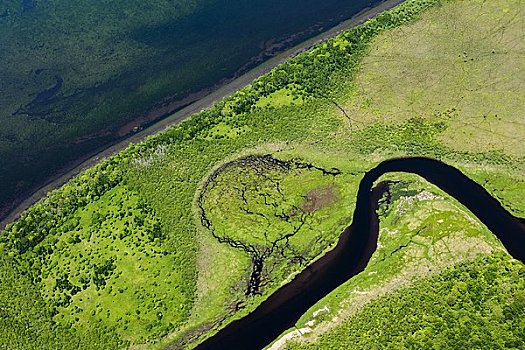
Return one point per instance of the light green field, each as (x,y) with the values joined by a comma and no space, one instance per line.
(325,117)
(462,64)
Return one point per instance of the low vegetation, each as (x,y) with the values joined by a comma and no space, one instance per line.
(152,246)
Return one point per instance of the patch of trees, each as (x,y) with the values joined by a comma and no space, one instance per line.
(51,215)
(475,305)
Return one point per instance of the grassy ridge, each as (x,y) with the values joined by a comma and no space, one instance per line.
(312,110)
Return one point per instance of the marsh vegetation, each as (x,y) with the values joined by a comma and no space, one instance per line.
(134,222)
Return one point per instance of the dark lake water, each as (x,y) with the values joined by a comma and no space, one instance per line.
(28,5)
(355,248)
(233,32)
(220,40)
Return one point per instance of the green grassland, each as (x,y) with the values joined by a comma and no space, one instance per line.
(121,255)
(462,64)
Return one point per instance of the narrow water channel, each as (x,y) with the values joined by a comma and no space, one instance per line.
(355,248)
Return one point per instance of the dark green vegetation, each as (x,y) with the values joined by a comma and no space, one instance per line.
(324,108)
(475,305)
(68,72)
(75,77)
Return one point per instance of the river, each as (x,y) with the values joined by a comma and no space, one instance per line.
(355,248)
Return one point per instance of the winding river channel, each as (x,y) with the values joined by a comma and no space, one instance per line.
(355,247)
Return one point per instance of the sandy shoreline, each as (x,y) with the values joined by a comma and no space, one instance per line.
(220,92)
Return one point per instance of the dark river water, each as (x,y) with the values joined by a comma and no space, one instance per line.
(355,248)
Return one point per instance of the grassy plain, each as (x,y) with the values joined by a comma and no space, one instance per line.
(461,64)
(323,108)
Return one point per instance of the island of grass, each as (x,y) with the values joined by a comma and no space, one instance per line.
(170,240)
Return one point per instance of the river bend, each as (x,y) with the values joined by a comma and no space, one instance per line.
(355,247)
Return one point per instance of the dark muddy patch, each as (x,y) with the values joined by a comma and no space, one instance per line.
(319,198)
